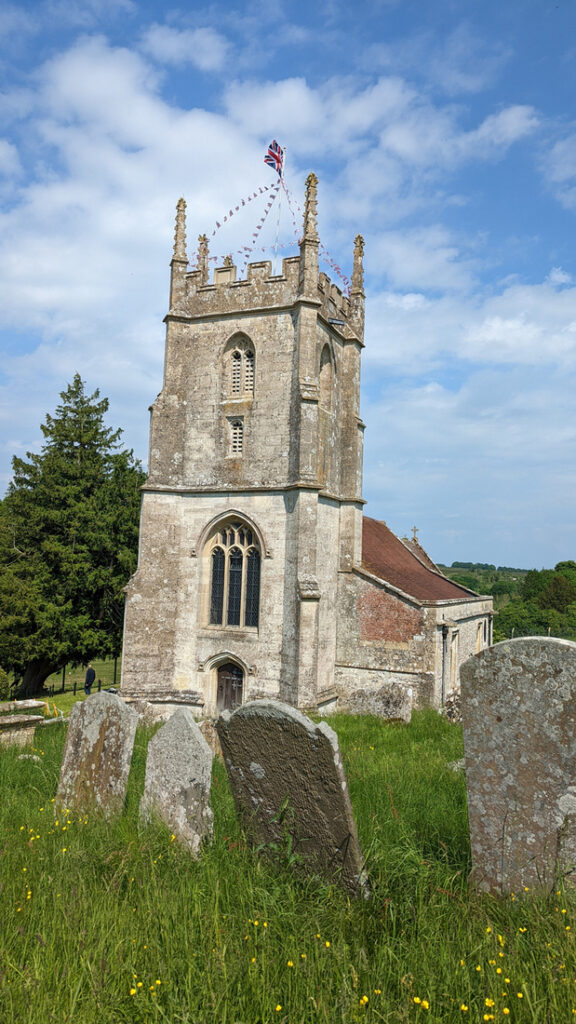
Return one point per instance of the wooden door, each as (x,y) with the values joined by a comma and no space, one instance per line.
(230,680)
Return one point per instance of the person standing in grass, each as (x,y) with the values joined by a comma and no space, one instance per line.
(90,677)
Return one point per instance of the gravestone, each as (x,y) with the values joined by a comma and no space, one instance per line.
(290,790)
(519,721)
(178,775)
(390,701)
(97,755)
(18,730)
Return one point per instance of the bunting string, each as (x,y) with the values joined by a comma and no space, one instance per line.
(244,202)
(296,214)
(323,251)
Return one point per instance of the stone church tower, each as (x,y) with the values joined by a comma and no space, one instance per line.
(253,501)
(253,577)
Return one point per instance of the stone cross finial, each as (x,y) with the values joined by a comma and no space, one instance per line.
(180,231)
(203,258)
(415,533)
(310,227)
(228,261)
(358,267)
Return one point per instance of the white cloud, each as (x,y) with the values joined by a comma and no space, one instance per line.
(428,258)
(464,62)
(498,131)
(387,124)
(205,48)
(525,324)
(458,460)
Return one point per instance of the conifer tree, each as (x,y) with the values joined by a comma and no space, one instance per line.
(68,543)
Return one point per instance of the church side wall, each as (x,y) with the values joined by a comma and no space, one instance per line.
(382,638)
(463,628)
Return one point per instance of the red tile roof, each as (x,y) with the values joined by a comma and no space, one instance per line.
(385,556)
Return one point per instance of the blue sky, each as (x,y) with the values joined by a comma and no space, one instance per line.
(444,132)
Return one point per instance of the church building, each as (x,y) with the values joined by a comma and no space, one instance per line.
(258,574)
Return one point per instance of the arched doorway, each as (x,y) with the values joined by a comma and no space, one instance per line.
(229,690)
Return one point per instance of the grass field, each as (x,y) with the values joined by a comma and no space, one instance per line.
(104,669)
(110,923)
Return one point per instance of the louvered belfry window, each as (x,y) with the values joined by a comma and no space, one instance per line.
(242,371)
(237,442)
(235,577)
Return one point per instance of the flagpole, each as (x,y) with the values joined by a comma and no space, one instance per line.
(281,175)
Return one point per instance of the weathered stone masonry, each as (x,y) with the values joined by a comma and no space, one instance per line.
(252,578)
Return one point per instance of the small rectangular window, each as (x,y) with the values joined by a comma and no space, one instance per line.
(237,442)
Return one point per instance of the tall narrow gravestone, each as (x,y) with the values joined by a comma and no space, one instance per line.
(178,776)
(288,781)
(519,721)
(97,755)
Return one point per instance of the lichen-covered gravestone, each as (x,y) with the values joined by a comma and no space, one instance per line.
(288,783)
(178,775)
(97,755)
(519,720)
(390,702)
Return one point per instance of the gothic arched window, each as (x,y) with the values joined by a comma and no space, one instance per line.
(235,577)
(240,370)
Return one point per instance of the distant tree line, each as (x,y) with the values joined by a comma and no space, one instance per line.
(545,605)
(527,602)
(485,566)
(502,582)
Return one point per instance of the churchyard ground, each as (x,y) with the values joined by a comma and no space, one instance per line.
(114,922)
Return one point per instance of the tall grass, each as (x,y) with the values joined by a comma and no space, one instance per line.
(109,923)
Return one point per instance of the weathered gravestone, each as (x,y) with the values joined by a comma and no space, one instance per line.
(288,781)
(519,721)
(178,775)
(97,755)
(390,701)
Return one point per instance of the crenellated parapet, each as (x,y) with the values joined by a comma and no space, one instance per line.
(206,291)
(223,290)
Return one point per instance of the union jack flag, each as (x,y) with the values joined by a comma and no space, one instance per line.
(275,157)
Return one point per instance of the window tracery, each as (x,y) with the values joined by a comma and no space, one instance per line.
(240,372)
(235,576)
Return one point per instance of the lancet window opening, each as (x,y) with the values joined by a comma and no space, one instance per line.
(241,370)
(235,577)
